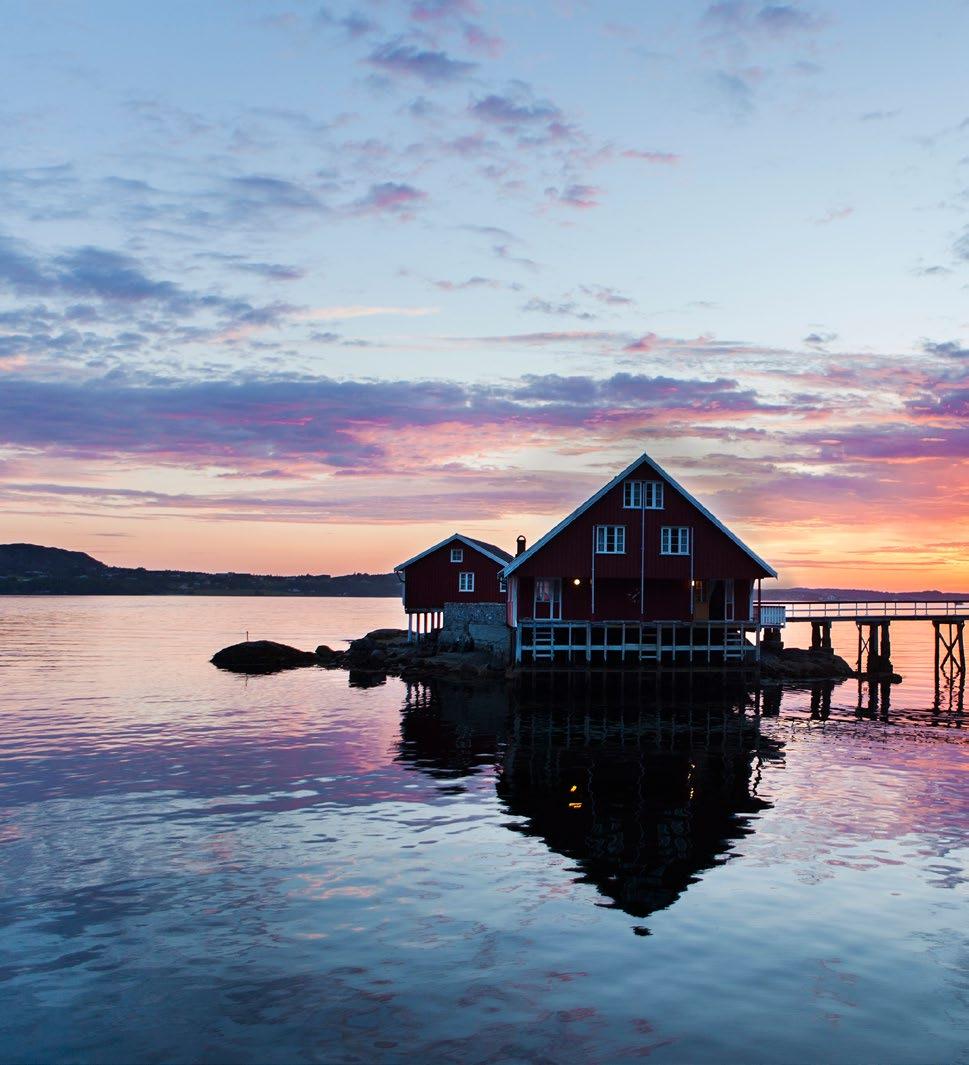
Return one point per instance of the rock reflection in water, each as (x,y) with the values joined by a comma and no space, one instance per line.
(644,786)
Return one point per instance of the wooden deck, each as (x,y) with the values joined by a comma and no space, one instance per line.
(604,643)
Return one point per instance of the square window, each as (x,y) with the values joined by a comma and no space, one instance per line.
(457,554)
(674,540)
(610,539)
(465,582)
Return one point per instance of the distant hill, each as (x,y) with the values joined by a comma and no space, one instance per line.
(29,569)
(836,595)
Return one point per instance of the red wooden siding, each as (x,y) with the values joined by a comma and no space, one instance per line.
(432,581)
(570,555)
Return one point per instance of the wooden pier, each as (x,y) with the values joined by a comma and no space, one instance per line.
(873,619)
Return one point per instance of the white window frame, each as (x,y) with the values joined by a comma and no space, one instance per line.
(642,495)
(502,584)
(678,544)
(457,554)
(466,581)
(610,539)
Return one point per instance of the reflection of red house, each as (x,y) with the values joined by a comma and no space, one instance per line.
(641,550)
(456,570)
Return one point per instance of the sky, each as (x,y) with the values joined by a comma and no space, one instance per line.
(299,287)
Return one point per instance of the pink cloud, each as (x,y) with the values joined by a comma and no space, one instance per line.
(666,158)
(390,197)
(646,343)
(582,197)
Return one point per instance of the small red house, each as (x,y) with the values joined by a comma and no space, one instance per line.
(640,554)
(459,569)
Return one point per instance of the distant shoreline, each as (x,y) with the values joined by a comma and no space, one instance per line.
(33,570)
(243,594)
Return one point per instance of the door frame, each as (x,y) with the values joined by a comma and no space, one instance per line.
(553,604)
(729,599)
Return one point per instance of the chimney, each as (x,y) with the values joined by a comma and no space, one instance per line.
(521,545)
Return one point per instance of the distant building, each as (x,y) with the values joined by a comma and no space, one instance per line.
(459,569)
(641,568)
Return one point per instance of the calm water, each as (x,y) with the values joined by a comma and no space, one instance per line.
(197,866)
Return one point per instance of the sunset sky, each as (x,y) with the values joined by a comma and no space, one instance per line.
(294,287)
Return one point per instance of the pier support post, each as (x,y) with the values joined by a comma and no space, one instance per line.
(826,637)
(886,648)
(772,639)
(815,635)
(872,664)
(950,648)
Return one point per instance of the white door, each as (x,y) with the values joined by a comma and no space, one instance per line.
(548,598)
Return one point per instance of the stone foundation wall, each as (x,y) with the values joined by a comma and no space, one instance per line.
(477,627)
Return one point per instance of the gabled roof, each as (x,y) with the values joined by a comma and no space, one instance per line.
(592,500)
(494,553)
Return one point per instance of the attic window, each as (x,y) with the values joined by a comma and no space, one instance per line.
(642,495)
(457,554)
(674,540)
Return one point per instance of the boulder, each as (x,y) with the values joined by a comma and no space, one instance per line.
(792,663)
(262,656)
(361,653)
(387,636)
(327,657)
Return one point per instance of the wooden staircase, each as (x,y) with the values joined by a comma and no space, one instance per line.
(734,646)
(649,651)
(543,644)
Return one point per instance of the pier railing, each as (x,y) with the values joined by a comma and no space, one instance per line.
(772,615)
(869,609)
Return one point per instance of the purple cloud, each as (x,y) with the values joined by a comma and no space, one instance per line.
(565,308)
(777,20)
(607,295)
(355,24)
(351,425)
(507,112)
(431,67)
(951,349)
(780,19)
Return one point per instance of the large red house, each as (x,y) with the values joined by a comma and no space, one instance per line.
(459,569)
(640,566)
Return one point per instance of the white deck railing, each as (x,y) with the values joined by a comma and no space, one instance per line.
(773,615)
(820,610)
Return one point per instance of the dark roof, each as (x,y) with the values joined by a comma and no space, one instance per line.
(494,550)
(496,554)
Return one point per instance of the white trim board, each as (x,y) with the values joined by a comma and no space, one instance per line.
(579,511)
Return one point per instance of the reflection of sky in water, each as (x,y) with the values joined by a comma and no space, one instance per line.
(203,867)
